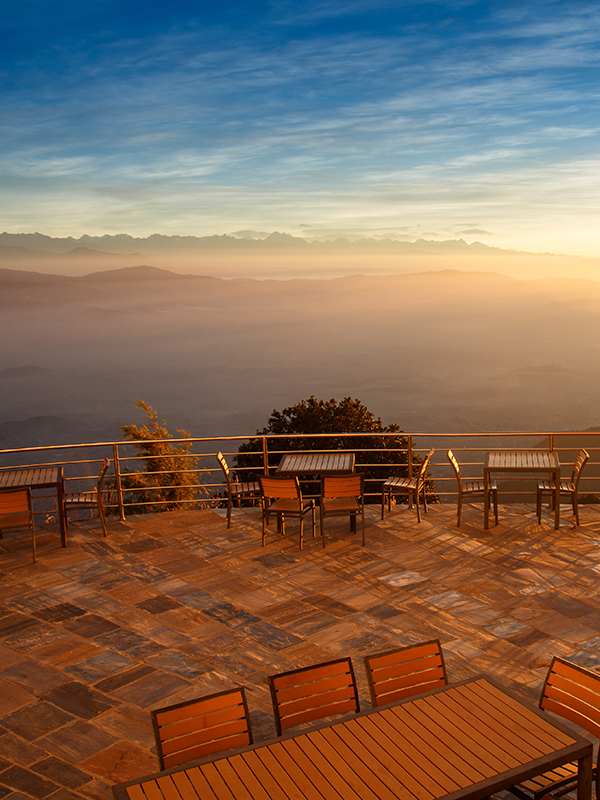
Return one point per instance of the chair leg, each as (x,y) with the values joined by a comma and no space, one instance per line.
(382,504)
(538,506)
(417,503)
(459,509)
(33,544)
(353,523)
(575,507)
(102,519)
(229,505)
(496,505)
(301,531)
(322,526)
(363,524)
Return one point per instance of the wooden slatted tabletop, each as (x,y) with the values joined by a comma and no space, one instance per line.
(467,740)
(521,461)
(39,478)
(298,464)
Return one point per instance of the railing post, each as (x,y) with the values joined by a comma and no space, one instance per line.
(265,456)
(410,457)
(118,485)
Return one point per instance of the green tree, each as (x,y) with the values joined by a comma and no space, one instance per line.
(168,478)
(374,454)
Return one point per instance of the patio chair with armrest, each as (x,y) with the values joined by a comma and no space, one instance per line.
(93,500)
(201,727)
(237,490)
(412,487)
(568,487)
(405,672)
(572,692)
(311,693)
(282,497)
(342,495)
(471,489)
(16,512)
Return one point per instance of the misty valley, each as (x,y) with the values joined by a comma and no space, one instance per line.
(432,351)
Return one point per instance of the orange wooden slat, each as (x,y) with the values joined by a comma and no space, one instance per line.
(517,742)
(182,782)
(312,674)
(295,786)
(248,778)
(415,654)
(176,737)
(467,720)
(204,706)
(531,724)
(206,749)
(135,792)
(458,734)
(369,770)
(328,768)
(152,791)
(575,676)
(314,687)
(232,780)
(425,670)
(346,771)
(386,695)
(293,758)
(568,713)
(449,756)
(527,718)
(345,706)
(200,784)
(401,758)
(215,781)
(168,788)
(265,778)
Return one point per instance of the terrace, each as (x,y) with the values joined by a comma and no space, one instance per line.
(175,605)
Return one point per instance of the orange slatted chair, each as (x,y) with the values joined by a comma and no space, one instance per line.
(311,693)
(282,496)
(16,512)
(471,489)
(413,487)
(341,495)
(405,672)
(94,500)
(571,692)
(201,727)
(236,490)
(568,487)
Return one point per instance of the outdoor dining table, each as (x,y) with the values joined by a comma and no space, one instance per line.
(39,478)
(521,461)
(465,740)
(298,464)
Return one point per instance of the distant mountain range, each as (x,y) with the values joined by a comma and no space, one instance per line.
(278,255)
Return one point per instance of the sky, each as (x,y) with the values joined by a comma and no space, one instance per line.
(429,119)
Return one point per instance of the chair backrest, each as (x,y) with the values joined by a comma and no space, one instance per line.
(102,475)
(200,727)
(405,672)
(310,693)
(342,485)
(578,466)
(273,487)
(574,693)
(15,507)
(423,467)
(225,467)
(454,462)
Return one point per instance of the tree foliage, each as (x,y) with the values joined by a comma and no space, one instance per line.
(168,478)
(374,454)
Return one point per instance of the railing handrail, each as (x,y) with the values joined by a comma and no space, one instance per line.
(120,454)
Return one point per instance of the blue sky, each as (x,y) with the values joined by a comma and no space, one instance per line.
(409,119)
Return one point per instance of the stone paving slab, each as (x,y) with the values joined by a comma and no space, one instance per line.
(173,606)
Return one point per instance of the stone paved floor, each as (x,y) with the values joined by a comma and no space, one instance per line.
(173,606)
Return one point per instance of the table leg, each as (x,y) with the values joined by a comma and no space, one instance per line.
(61,512)
(584,777)
(486,499)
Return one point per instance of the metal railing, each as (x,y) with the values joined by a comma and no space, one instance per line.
(78,459)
